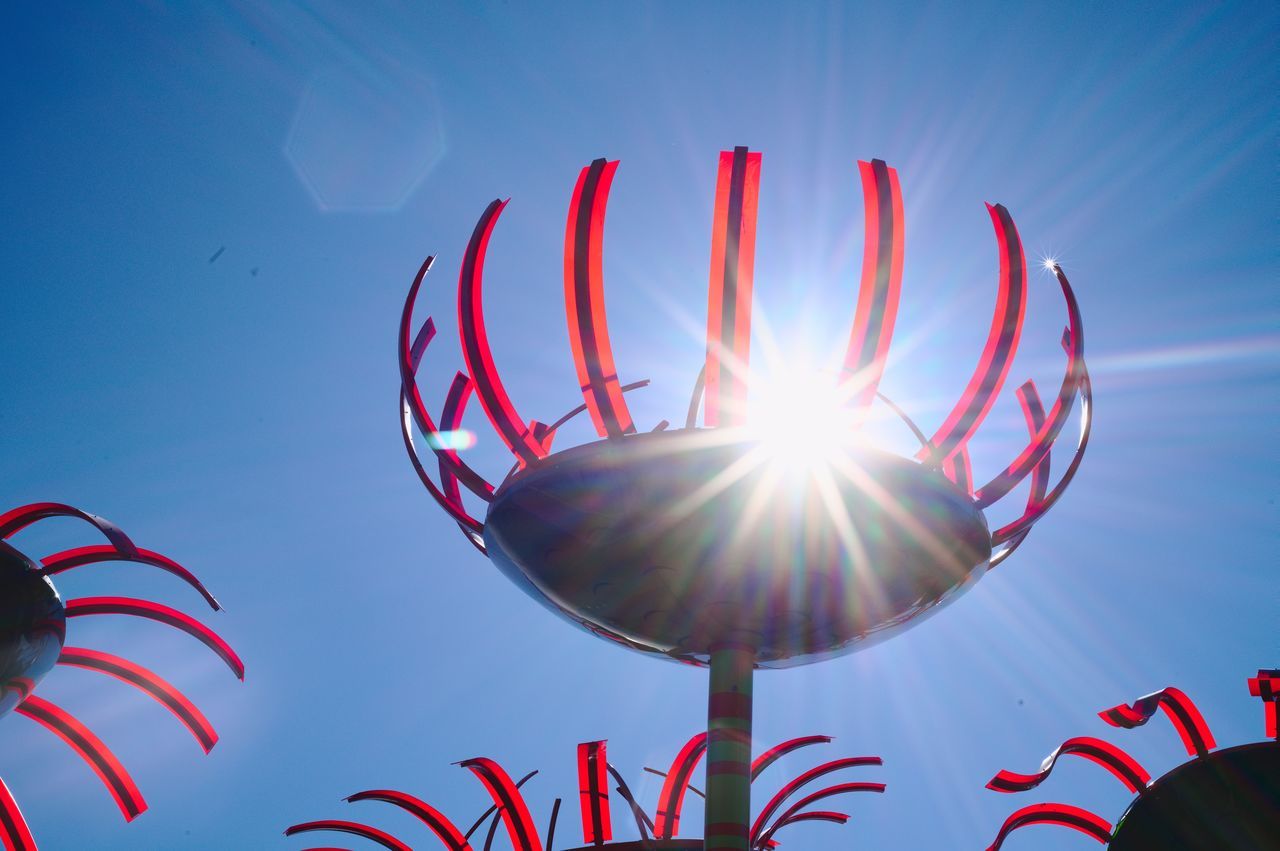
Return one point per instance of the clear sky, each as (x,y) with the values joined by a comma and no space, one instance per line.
(238,412)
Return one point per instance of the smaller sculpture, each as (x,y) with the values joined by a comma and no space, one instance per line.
(659,831)
(33,631)
(1226,798)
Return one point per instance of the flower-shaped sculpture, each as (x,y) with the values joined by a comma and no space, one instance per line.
(659,831)
(1226,798)
(718,544)
(33,640)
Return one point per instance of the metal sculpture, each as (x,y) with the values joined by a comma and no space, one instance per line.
(33,627)
(661,830)
(677,541)
(1226,798)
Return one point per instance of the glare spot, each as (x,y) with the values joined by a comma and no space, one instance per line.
(457,439)
(1051,264)
(800,419)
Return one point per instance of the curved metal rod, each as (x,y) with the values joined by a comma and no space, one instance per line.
(13,827)
(584,301)
(626,388)
(551,825)
(1063,815)
(455,405)
(733,247)
(475,345)
(161,614)
(695,401)
(814,815)
(789,814)
(1033,413)
(81,556)
(593,793)
(643,824)
(694,789)
(440,825)
(925,445)
(89,748)
(470,525)
(1002,342)
(1122,766)
(149,683)
(881,283)
(409,356)
(511,805)
(494,807)
(667,818)
(1032,515)
(1186,718)
(803,780)
(1038,446)
(781,749)
(17,519)
(381,837)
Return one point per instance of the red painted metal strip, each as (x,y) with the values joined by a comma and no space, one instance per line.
(667,819)
(584,301)
(959,470)
(733,242)
(141,678)
(440,825)
(789,815)
(80,556)
(160,614)
(1124,767)
(471,526)
(381,837)
(475,346)
(881,284)
(1059,814)
(409,356)
(17,519)
(781,749)
(1186,718)
(1002,343)
(91,749)
(593,793)
(511,805)
(13,827)
(803,780)
(455,405)
(1038,447)
(1267,686)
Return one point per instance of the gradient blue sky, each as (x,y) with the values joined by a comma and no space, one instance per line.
(239,415)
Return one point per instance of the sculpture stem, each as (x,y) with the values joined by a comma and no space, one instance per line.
(728,810)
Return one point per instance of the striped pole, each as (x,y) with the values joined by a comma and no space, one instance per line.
(728,810)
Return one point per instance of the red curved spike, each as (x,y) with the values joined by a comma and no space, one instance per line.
(91,750)
(1033,413)
(80,556)
(471,526)
(959,470)
(593,793)
(475,346)
(1267,686)
(1059,814)
(13,827)
(666,822)
(1186,718)
(136,675)
(584,301)
(515,814)
(444,829)
(1039,445)
(1002,342)
(455,404)
(759,836)
(160,614)
(733,250)
(1125,768)
(409,355)
(1031,515)
(881,283)
(803,780)
(383,838)
(781,749)
(813,815)
(17,519)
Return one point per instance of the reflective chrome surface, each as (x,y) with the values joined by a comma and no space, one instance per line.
(32,627)
(670,542)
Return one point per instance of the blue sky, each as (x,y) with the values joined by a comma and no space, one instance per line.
(238,413)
